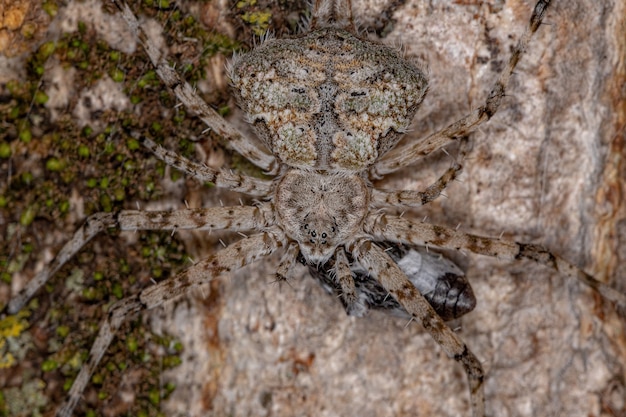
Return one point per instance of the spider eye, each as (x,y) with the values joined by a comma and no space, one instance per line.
(324,235)
(313,234)
(306,227)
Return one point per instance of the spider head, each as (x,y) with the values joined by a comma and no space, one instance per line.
(318,236)
(320,211)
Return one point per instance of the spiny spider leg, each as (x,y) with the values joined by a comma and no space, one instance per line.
(287,262)
(416,198)
(412,198)
(231,258)
(231,218)
(391,277)
(343,276)
(221,178)
(408,154)
(332,13)
(188,96)
(400,230)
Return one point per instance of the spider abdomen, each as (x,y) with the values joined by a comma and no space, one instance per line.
(328,100)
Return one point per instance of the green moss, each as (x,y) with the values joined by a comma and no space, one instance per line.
(62,331)
(245,3)
(25,134)
(169,388)
(27,178)
(148,79)
(82,27)
(104,183)
(28,216)
(5,150)
(49,365)
(175,175)
(131,343)
(119,172)
(83,151)
(171,361)
(55,164)
(64,206)
(87,131)
(90,294)
(67,384)
(50,7)
(156,128)
(157,272)
(119,194)
(155,396)
(177,346)
(135,99)
(117,75)
(129,166)
(106,203)
(40,97)
(46,50)
(132,144)
(223,111)
(258,21)
(117,291)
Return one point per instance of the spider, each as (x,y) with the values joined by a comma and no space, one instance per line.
(297,228)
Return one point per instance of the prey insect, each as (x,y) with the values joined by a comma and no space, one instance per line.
(330,108)
(438,279)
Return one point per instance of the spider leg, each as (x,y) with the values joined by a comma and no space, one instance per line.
(287,262)
(221,178)
(335,13)
(188,96)
(397,229)
(391,277)
(406,155)
(416,198)
(343,275)
(231,218)
(231,258)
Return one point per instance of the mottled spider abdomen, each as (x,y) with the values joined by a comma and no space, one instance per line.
(438,279)
(328,100)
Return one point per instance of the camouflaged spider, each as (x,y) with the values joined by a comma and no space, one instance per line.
(331,107)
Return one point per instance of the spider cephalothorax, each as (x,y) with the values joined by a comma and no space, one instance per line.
(321,211)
